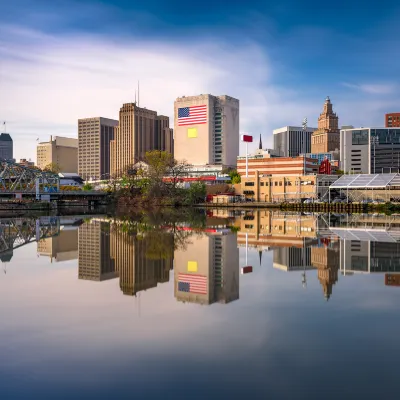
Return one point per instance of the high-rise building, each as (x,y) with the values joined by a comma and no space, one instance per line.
(392,120)
(291,141)
(61,151)
(327,137)
(139,130)
(370,150)
(6,147)
(95,262)
(207,130)
(207,271)
(94,137)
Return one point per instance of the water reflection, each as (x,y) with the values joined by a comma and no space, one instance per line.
(203,250)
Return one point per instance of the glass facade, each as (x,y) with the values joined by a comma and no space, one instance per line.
(359,137)
(386,136)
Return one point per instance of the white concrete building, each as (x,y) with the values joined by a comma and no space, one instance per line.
(291,141)
(206,130)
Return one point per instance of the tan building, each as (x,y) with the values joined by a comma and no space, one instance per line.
(95,262)
(139,130)
(59,150)
(327,261)
(207,129)
(327,137)
(280,188)
(94,137)
(272,229)
(207,271)
(265,163)
(63,247)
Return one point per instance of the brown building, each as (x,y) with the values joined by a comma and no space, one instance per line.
(26,163)
(280,188)
(94,137)
(327,137)
(267,164)
(327,261)
(61,151)
(139,130)
(392,120)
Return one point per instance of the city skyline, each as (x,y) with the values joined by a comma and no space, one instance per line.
(278,64)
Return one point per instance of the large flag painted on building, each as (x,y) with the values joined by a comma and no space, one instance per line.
(192,283)
(193,115)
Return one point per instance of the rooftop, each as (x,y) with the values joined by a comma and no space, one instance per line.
(366,181)
(5,137)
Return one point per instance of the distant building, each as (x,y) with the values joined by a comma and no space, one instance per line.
(61,151)
(26,163)
(6,147)
(290,141)
(139,130)
(370,150)
(266,163)
(392,120)
(327,137)
(94,137)
(207,129)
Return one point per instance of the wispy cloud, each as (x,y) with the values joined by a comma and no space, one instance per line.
(371,88)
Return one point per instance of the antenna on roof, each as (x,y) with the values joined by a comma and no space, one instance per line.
(138,93)
(135,96)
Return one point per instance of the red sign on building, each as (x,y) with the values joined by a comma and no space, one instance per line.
(325,167)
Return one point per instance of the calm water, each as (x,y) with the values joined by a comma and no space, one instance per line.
(159,306)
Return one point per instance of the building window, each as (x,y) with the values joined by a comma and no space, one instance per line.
(249,184)
(262,184)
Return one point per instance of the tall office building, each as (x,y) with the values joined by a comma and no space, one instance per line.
(207,271)
(392,120)
(94,137)
(207,130)
(291,141)
(327,137)
(370,150)
(139,130)
(6,147)
(95,262)
(59,150)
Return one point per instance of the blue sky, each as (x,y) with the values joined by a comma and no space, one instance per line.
(63,60)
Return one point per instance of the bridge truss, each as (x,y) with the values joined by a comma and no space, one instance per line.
(19,179)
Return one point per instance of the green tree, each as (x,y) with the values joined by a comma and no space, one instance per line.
(87,187)
(196,193)
(52,167)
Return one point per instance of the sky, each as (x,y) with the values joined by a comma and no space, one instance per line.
(64,60)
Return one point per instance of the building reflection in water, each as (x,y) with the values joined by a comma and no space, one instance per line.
(63,247)
(206,261)
(107,252)
(207,270)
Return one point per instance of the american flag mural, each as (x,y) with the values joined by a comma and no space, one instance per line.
(192,283)
(193,115)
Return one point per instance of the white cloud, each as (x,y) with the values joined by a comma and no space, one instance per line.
(371,88)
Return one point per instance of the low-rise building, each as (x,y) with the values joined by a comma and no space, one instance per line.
(61,151)
(279,188)
(266,163)
(23,162)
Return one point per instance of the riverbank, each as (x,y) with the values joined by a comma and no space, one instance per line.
(311,207)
